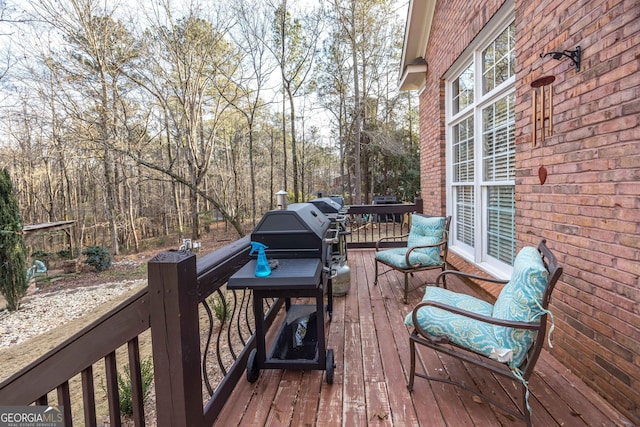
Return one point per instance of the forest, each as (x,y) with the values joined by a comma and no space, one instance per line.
(163,118)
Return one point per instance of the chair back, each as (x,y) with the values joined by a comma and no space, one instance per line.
(427,230)
(426,226)
(555,271)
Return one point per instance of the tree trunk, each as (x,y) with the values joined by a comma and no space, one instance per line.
(272,171)
(195,224)
(358,113)
(294,149)
(252,175)
(132,216)
(110,201)
(284,141)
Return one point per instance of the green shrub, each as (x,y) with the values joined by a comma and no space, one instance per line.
(221,308)
(64,254)
(13,268)
(125,389)
(41,255)
(98,257)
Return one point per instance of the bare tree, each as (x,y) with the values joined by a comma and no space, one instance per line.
(294,47)
(351,24)
(252,36)
(137,127)
(99,48)
(365,39)
(333,89)
(192,63)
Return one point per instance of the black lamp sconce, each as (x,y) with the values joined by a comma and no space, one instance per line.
(573,55)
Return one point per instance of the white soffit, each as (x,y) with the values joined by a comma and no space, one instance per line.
(413,68)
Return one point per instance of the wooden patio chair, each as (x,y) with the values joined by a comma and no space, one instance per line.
(511,331)
(426,248)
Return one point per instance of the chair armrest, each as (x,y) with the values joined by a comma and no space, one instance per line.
(442,275)
(413,248)
(498,322)
(403,236)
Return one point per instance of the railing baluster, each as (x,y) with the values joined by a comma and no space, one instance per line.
(237,314)
(111,372)
(64,399)
(135,374)
(227,321)
(205,351)
(246,298)
(88,397)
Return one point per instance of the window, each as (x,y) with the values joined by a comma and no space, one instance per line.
(480,100)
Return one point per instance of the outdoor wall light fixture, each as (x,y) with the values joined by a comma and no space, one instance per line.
(573,55)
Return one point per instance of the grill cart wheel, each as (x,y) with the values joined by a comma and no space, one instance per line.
(253,372)
(330,367)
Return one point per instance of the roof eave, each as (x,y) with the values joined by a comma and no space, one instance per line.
(414,77)
(416,37)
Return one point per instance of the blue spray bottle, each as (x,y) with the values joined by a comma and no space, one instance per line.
(262,264)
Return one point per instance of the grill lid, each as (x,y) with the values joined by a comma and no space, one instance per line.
(327,205)
(297,231)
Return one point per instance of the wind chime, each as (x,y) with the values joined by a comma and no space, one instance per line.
(541,115)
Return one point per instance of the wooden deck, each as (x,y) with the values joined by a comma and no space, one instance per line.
(371,347)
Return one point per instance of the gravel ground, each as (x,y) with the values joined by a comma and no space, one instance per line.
(41,312)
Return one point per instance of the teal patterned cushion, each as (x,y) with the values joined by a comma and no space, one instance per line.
(424,231)
(468,333)
(521,300)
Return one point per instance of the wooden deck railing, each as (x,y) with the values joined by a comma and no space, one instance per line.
(369,223)
(201,337)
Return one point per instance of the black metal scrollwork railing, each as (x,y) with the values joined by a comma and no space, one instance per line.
(229,318)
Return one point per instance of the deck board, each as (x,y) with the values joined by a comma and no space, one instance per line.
(371,350)
(306,406)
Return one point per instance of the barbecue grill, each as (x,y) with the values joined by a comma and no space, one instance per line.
(337,213)
(300,231)
(329,206)
(300,239)
(386,200)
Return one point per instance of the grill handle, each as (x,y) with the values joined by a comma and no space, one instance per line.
(341,217)
(332,272)
(334,239)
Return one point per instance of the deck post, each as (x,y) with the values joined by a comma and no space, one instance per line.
(175,337)
(419,205)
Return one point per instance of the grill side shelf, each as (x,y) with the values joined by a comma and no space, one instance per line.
(298,272)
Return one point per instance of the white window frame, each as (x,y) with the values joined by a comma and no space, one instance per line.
(473,54)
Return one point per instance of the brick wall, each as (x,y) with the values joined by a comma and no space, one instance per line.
(455,24)
(589,207)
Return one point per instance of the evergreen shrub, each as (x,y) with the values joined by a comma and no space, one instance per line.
(98,257)
(13,270)
(125,388)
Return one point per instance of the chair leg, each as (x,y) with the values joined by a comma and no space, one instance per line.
(412,371)
(444,278)
(375,281)
(406,286)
